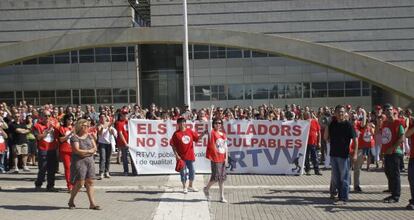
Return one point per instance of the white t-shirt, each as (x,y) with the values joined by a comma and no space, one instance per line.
(105,137)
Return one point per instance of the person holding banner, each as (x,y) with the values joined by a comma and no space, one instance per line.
(217,153)
(182,145)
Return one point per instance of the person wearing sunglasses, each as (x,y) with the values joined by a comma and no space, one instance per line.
(217,153)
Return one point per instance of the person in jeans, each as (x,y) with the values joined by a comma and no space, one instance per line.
(182,145)
(392,138)
(410,134)
(105,133)
(314,143)
(339,134)
(121,126)
(45,134)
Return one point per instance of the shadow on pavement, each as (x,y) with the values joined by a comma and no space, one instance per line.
(139,192)
(163,200)
(348,208)
(287,200)
(273,191)
(31,207)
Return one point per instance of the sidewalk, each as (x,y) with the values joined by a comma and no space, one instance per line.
(160,197)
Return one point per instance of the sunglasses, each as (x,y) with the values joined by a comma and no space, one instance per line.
(217,123)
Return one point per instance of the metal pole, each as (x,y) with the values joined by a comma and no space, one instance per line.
(186,61)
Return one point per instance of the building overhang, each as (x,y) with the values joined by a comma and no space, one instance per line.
(388,76)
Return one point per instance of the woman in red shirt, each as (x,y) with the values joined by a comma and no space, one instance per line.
(65,149)
(217,153)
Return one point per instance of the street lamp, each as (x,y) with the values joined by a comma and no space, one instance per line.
(186,61)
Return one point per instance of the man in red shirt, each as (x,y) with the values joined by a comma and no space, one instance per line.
(121,127)
(392,137)
(46,135)
(314,143)
(182,145)
(410,134)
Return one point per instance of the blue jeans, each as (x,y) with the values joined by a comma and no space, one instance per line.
(340,177)
(189,164)
(2,167)
(124,158)
(47,164)
(312,154)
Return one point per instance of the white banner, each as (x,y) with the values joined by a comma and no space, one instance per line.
(259,147)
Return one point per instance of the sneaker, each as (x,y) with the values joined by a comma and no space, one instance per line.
(192,189)
(26,169)
(357,189)
(318,173)
(107,175)
(332,196)
(223,200)
(307,173)
(38,188)
(410,207)
(101,176)
(185,191)
(339,202)
(16,170)
(390,199)
(126,174)
(2,171)
(206,193)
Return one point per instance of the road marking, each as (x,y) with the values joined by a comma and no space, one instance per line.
(177,205)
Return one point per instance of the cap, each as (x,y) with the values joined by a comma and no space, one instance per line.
(348,106)
(179,165)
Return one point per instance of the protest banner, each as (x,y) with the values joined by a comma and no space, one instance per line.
(258,147)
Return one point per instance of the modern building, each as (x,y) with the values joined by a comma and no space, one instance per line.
(318,52)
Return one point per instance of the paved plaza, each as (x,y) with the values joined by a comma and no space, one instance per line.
(159,197)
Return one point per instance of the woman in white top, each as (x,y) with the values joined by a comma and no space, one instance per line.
(106,134)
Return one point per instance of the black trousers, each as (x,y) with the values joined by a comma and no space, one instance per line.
(392,171)
(47,164)
(311,155)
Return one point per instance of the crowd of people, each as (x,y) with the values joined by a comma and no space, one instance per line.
(341,138)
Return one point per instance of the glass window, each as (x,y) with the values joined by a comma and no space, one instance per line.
(46,60)
(103,96)
(218,93)
(132,96)
(273,55)
(293,90)
(19,96)
(74,56)
(31,97)
(247,53)
(319,89)
(86,56)
(120,95)
(235,92)
(88,96)
(201,52)
(190,51)
(63,97)
(261,91)
(131,54)
(234,53)
(30,62)
(258,54)
(62,58)
(366,89)
(336,89)
(353,88)
(192,93)
(119,54)
(202,93)
(7,97)
(47,97)
(217,52)
(248,92)
(306,90)
(75,96)
(103,54)
(274,92)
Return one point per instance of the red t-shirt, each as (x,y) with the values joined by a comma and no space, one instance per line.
(65,146)
(366,137)
(122,128)
(2,144)
(216,147)
(47,143)
(390,134)
(314,130)
(183,143)
(412,140)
